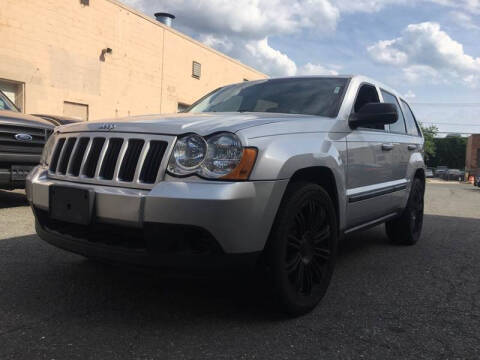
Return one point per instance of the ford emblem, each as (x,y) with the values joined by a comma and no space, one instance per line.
(23,137)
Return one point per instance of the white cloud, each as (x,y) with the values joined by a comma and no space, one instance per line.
(368,6)
(223,44)
(472,81)
(242,28)
(262,56)
(472,6)
(415,73)
(248,18)
(424,51)
(410,95)
(464,20)
(385,51)
(316,69)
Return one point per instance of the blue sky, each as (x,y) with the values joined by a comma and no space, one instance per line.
(426,49)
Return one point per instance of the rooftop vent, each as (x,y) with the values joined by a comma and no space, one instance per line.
(165,18)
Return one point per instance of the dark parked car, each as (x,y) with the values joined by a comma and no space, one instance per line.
(453,174)
(440,171)
(22,138)
(58,120)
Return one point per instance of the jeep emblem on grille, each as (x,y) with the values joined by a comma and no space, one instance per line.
(107,127)
(23,137)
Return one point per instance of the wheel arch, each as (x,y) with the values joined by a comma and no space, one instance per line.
(420,174)
(323,176)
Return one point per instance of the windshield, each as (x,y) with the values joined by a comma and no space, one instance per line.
(308,96)
(6,103)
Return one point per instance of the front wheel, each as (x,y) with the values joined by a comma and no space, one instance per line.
(302,247)
(407,228)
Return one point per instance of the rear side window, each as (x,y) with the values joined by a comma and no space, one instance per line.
(399,126)
(412,128)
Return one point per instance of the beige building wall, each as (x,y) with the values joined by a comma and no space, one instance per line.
(52,51)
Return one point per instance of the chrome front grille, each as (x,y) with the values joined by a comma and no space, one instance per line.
(9,144)
(116,159)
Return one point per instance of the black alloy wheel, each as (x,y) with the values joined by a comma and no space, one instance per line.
(406,229)
(302,247)
(416,211)
(308,248)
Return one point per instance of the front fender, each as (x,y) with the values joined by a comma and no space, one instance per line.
(281,156)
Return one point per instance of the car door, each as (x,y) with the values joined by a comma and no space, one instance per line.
(413,140)
(400,151)
(369,167)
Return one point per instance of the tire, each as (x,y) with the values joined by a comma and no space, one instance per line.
(302,248)
(406,229)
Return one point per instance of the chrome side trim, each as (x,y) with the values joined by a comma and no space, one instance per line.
(376,189)
(373,193)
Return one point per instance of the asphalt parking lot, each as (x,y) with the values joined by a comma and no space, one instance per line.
(385,301)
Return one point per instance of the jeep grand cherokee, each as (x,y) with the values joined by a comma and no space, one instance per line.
(281,168)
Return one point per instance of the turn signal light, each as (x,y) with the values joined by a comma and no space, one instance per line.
(245,167)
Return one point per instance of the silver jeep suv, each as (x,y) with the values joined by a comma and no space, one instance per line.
(281,168)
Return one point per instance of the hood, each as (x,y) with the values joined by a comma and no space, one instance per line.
(177,124)
(17,118)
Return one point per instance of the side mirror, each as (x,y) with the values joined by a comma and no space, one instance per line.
(374,114)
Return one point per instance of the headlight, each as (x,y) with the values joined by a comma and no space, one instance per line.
(221,156)
(224,154)
(47,150)
(188,154)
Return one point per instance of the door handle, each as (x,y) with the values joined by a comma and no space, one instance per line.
(387,147)
(412,147)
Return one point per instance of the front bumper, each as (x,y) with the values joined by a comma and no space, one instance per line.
(6,181)
(237,216)
(10,180)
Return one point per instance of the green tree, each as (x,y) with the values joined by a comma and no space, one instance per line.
(450,151)
(430,148)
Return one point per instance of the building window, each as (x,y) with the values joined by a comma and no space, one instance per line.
(181,107)
(14,90)
(85,2)
(75,110)
(196,70)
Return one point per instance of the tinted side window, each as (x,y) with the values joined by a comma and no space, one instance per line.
(367,94)
(399,126)
(412,128)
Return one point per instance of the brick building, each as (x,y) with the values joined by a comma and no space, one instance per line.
(99,58)
(472,158)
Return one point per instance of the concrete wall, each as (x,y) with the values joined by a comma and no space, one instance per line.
(54,47)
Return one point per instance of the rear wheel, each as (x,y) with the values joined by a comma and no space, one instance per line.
(302,247)
(406,230)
